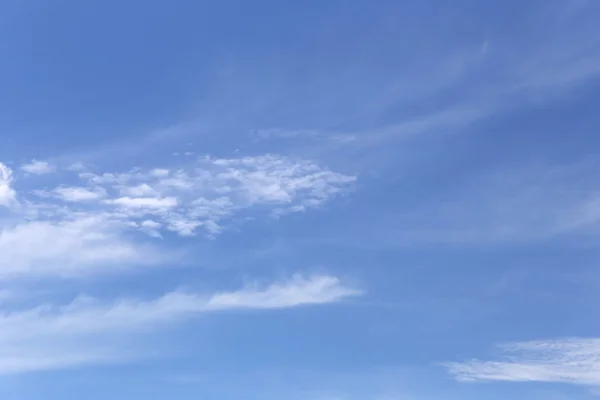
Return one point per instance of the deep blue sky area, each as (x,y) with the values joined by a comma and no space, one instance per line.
(310,200)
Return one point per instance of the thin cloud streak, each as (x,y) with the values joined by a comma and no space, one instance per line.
(88,331)
(518,205)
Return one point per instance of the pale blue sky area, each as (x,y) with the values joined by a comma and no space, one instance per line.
(300,200)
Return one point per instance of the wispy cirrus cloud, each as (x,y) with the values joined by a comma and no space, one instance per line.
(530,202)
(520,204)
(574,361)
(298,291)
(88,331)
(275,133)
(469,81)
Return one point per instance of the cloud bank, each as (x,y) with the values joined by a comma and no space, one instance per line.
(92,222)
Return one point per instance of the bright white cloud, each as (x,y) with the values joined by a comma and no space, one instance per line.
(38,167)
(7,193)
(87,331)
(204,194)
(318,290)
(81,226)
(68,248)
(141,190)
(159,172)
(79,193)
(146,202)
(575,361)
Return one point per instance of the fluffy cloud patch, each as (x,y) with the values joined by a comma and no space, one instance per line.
(87,222)
(79,193)
(38,167)
(67,248)
(202,195)
(146,202)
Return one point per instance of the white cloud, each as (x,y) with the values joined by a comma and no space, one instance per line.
(87,331)
(322,289)
(76,167)
(575,361)
(272,179)
(79,193)
(151,228)
(80,227)
(146,202)
(141,190)
(70,248)
(38,167)
(186,227)
(160,172)
(7,193)
(203,194)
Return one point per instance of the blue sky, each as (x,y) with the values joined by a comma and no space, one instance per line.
(310,200)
